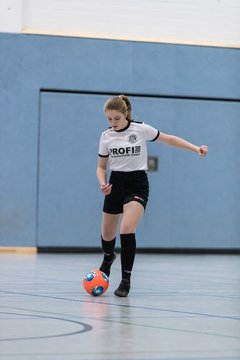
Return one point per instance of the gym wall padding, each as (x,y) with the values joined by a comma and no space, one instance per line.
(51,94)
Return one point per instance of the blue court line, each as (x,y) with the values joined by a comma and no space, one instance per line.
(237,318)
(120,322)
(86,327)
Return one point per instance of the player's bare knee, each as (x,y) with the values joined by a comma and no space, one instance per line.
(127,229)
(108,235)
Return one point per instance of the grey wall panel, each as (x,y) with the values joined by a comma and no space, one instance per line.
(192,199)
(70,202)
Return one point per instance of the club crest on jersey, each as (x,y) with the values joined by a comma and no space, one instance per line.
(132,138)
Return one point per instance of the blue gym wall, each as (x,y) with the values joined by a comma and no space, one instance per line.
(49,194)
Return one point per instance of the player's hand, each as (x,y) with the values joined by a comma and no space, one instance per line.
(106,188)
(203,150)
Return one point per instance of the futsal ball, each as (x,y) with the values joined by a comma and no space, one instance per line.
(95,282)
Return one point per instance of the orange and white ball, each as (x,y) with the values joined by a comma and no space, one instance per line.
(95,282)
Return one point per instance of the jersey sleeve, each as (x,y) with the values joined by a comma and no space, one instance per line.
(150,133)
(103,150)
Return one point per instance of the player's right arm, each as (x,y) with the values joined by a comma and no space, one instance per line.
(102,175)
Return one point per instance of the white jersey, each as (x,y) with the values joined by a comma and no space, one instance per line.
(127,149)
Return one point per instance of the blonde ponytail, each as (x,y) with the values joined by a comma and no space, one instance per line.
(119,103)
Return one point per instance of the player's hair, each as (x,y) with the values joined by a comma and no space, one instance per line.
(120,103)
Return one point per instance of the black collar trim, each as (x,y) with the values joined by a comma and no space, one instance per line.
(129,123)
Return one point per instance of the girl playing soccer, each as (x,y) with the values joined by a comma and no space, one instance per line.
(123,148)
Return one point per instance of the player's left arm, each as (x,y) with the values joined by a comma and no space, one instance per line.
(178,142)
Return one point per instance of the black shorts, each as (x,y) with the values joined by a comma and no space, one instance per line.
(126,187)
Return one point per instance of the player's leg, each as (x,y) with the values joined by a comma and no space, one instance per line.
(109,229)
(132,215)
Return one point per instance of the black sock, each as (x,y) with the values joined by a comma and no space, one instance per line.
(109,255)
(108,249)
(128,251)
